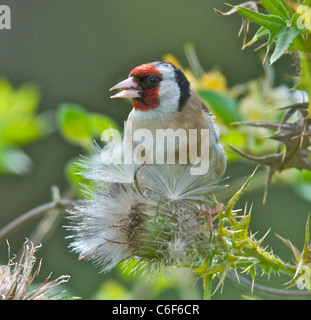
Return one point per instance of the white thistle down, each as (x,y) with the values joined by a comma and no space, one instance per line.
(176,183)
(93,169)
(149,213)
(100,225)
(17,277)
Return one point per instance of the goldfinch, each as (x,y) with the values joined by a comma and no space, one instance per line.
(164,99)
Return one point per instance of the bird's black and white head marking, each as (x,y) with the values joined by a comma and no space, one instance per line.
(158,89)
(181,80)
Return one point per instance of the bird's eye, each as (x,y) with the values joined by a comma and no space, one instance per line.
(153,80)
(150,82)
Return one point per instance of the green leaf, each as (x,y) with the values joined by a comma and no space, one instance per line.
(262,32)
(80,126)
(307,3)
(306,176)
(72,172)
(75,124)
(24,100)
(304,45)
(271,41)
(231,203)
(272,22)
(278,8)
(285,37)
(101,123)
(14,161)
(111,290)
(18,122)
(224,106)
(233,137)
(23,129)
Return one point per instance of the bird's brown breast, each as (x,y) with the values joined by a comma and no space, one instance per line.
(194,115)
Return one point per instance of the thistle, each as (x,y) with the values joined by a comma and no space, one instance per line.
(162,216)
(286,28)
(157,221)
(294,142)
(16,279)
(153,217)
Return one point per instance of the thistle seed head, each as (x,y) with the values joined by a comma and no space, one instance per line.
(151,216)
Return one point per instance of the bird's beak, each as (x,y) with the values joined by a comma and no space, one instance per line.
(131,89)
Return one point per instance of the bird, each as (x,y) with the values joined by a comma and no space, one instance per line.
(163,98)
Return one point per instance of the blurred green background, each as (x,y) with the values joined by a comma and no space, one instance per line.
(74,51)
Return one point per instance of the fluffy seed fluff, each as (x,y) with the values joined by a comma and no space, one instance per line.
(16,279)
(149,213)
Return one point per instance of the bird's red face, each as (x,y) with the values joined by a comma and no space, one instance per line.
(158,90)
(142,86)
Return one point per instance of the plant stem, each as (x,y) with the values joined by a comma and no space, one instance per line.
(255,251)
(305,61)
(267,290)
(207,283)
(60,204)
(49,221)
